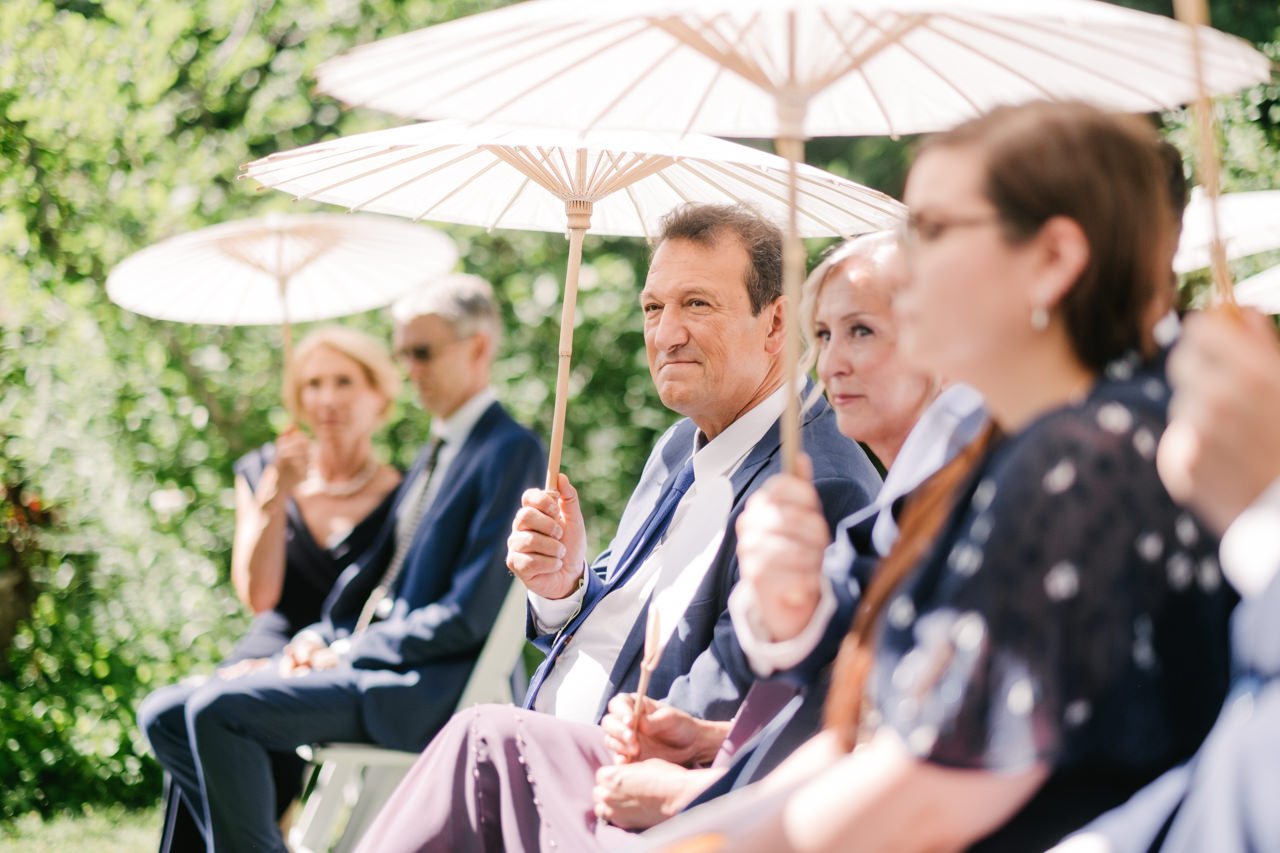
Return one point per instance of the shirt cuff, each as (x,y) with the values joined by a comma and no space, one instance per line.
(1250,549)
(765,655)
(550,615)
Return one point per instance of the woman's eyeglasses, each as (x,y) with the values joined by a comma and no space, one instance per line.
(917,229)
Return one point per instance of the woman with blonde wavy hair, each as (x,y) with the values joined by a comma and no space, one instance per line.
(306,506)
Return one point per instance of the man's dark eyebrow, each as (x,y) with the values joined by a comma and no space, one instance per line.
(691,293)
(699,293)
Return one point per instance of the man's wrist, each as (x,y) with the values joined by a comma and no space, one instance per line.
(552,614)
(711,735)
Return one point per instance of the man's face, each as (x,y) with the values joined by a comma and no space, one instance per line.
(709,357)
(441,366)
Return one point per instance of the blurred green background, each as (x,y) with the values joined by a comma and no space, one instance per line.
(124,122)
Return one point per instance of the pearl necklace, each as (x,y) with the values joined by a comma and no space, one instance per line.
(316,484)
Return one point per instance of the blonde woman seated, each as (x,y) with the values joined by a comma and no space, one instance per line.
(314,499)
(306,506)
(1049,631)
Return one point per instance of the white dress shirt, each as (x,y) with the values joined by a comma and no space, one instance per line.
(670,575)
(950,422)
(453,431)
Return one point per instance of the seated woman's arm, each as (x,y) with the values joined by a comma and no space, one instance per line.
(889,800)
(258,550)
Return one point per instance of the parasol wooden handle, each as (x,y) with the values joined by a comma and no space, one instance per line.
(653,646)
(792,282)
(579,212)
(1195,14)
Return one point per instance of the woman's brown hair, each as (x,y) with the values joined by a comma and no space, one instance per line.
(1108,173)
(1042,161)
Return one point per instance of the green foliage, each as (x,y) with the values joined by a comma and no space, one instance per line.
(122,123)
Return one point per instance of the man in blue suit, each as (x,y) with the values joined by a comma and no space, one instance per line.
(403,626)
(714,319)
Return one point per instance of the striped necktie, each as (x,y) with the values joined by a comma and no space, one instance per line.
(407,521)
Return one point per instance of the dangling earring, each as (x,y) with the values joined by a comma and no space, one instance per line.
(1039,318)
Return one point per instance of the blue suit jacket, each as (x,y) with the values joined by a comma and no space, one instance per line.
(703,669)
(449,591)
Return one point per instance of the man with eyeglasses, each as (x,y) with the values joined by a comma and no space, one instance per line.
(404,624)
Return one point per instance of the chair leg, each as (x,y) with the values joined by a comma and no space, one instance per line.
(378,785)
(314,829)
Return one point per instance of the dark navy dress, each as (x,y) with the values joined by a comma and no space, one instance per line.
(1070,615)
(310,569)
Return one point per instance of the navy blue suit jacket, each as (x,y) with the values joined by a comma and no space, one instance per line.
(449,591)
(703,670)
(1225,797)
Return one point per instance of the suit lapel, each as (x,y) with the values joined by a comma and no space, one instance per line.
(356,582)
(453,475)
(760,454)
(769,445)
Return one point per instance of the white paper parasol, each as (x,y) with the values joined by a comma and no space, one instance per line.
(787,69)
(280,268)
(618,183)
(1249,223)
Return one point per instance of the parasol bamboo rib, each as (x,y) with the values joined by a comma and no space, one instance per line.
(286,331)
(579,213)
(608,175)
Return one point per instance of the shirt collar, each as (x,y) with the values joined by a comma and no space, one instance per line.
(721,455)
(455,428)
(933,440)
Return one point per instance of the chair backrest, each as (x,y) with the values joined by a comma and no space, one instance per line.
(491,679)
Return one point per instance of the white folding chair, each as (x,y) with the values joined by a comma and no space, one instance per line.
(357,779)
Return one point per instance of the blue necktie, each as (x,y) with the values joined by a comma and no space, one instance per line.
(640,547)
(643,543)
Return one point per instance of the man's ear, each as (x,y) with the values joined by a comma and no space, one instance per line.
(482,348)
(777,311)
(1064,254)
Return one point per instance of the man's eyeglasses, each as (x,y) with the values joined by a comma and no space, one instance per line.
(421,353)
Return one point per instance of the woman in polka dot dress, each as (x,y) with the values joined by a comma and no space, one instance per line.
(1050,631)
